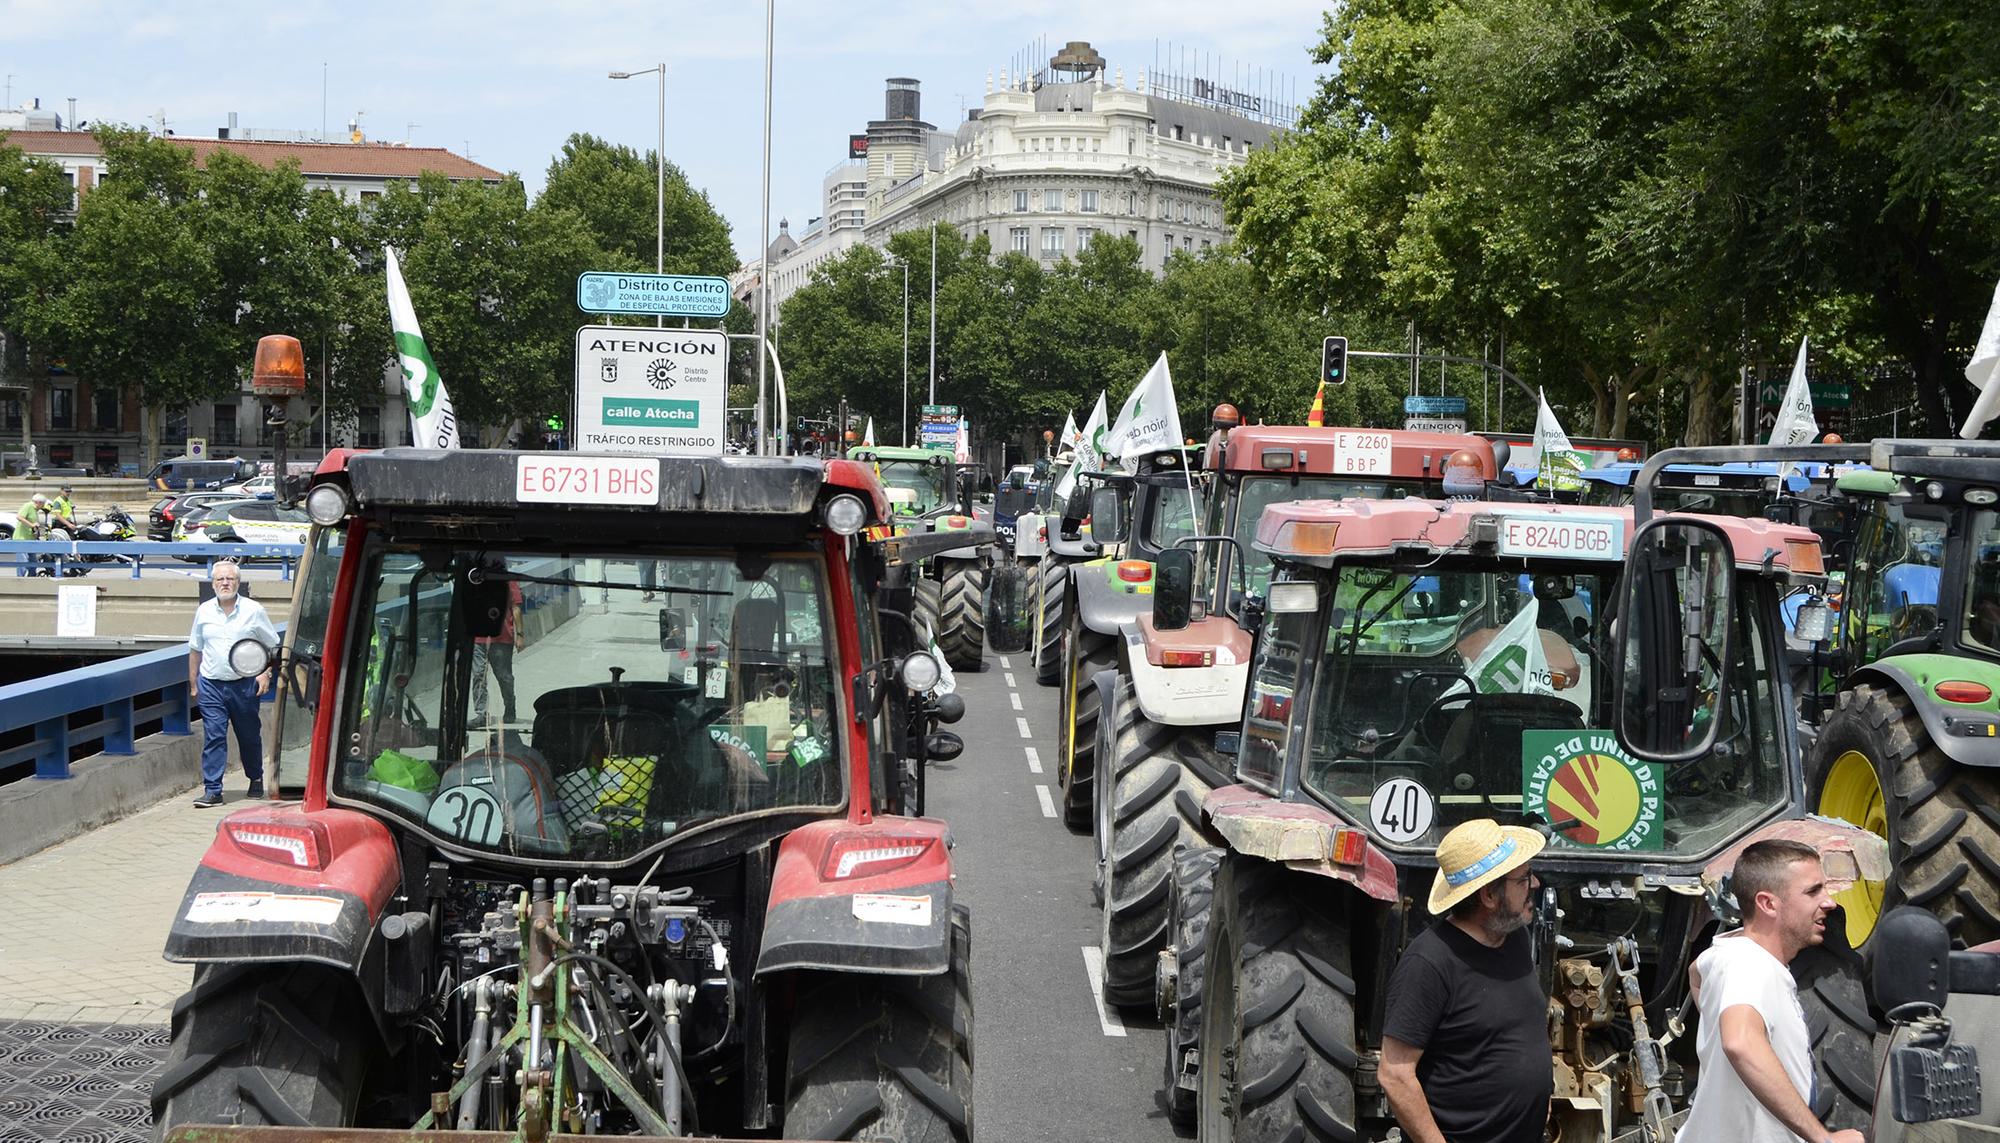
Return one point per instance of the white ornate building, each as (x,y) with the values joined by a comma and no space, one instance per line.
(1046,164)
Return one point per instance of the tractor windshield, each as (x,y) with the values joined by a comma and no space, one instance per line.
(587,705)
(1474,690)
(915,487)
(1982,594)
(1898,568)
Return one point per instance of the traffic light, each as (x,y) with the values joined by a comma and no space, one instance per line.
(1333,361)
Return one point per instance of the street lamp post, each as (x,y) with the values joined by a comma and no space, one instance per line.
(659,176)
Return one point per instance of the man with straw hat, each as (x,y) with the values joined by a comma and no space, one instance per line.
(1465,1045)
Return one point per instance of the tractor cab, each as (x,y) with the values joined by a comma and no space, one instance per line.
(605,757)
(928,493)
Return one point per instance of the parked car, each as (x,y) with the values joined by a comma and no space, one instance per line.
(251,522)
(179,472)
(161,521)
(265,485)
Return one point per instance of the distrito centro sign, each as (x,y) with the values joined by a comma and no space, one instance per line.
(655,392)
(672,295)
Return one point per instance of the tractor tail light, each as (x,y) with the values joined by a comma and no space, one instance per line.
(1203,658)
(1350,847)
(302,846)
(1962,690)
(1805,557)
(1135,571)
(869,855)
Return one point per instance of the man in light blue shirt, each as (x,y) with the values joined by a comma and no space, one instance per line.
(223,696)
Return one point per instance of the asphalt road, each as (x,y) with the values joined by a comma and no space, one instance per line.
(1052,1062)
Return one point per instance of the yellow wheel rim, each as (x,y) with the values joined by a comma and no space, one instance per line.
(1853,794)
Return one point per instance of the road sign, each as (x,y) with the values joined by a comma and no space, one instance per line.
(197,448)
(1832,394)
(676,295)
(656,392)
(1434,406)
(1434,424)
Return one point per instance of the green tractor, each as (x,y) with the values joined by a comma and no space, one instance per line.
(1911,747)
(930,493)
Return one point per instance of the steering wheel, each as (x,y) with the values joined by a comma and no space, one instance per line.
(1447,675)
(1435,722)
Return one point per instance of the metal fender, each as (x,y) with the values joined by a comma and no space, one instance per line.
(1301,836)
(1029,543)
(1968,734)
(872,898)
(1103,601)
(285,884)
(1210,695)
(1070,549)
(1848,852)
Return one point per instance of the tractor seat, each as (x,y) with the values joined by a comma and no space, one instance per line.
(1484,741)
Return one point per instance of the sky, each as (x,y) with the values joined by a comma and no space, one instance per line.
(507,81)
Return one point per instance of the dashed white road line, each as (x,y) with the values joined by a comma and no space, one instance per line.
(1048,803)
(1006,664)
(1034,760)
(1016,697)
(1010,678)
(1021,724)
(1093,968)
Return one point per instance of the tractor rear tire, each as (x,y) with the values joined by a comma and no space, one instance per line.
(1081,705)
(1840,1028)
(1192,891)
(1150,802)
(259,1045)
(885,1057)
(1053,579)
(962,615)
(1278,1040)
(925,608)
(1942,820)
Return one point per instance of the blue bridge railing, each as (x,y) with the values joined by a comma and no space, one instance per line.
(116,697)
(62,558)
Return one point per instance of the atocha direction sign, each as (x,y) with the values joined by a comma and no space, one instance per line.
(674,295)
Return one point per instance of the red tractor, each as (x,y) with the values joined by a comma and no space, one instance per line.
(608,823)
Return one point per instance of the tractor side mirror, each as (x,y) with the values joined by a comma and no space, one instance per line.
(1674,631)
(943,746)
(487,602)
(1173,589)
(1107,516)
(1912,953)
(1007,616)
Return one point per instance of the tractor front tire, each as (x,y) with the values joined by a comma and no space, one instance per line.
(886,1058)
(1150,805)
(257,1045)
(962,615)
(1278,1041)
(1942,820)
(1053,581)
(1840,1028)
(1192,891)
(1081,705)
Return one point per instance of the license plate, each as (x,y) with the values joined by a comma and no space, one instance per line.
(1576,537)
(557,479)
(1362,454)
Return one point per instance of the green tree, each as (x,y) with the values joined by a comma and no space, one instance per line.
(614,189)
(35,202)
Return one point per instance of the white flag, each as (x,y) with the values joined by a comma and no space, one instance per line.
(962,452)
(1984,373)
(1795,424)
(1070,433)
(1150,420)
(1089,454)
(1513,661)
(868,434)
(1557,462)
(432,422)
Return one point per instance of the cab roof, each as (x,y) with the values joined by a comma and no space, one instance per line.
(502,480)
(1299,531)
(1331,451)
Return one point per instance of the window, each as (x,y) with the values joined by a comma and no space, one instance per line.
(369,435)
(1088,202)
(1052,240)
(1187,242)
(1166,251)
(105,408)
(1017,240)
(1205,244)
(1166,210)
(1052,200)
(62,407)
(12,406)
(1131,202)
(1180,132)
(1133,235)
(1084,235)
(1020,202)
(1184,212)
(177,427)
(224,432)
(1274,680)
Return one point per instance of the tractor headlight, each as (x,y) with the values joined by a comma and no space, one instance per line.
(845,514)
(920,671)
(327,504)
(248,657)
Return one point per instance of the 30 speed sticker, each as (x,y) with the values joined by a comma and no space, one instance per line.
(892,909)
(274,908)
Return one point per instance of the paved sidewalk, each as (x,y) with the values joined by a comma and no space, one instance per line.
(90,916)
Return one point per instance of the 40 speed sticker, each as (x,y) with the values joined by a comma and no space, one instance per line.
(1401,810)
(1589,791)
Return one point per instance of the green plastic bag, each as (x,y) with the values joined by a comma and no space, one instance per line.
(394,768)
